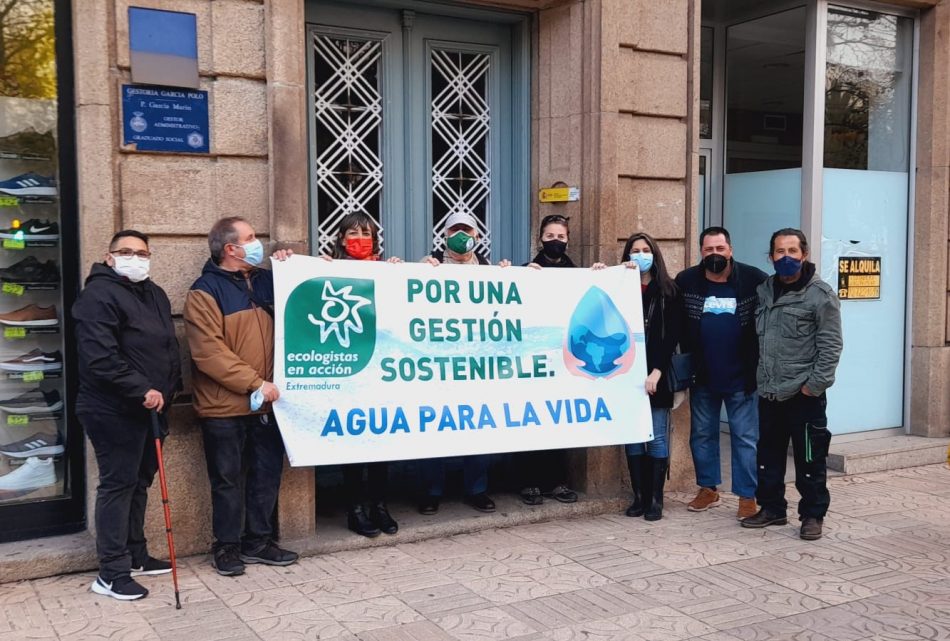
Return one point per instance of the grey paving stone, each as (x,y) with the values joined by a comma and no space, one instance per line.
(881,573)
(484,625)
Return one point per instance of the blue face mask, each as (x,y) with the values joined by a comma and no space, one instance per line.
(643,260)
(787,266)
(253,253)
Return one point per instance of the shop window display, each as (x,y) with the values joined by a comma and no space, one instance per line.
(33,464)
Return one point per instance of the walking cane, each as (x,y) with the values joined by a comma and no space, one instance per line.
(157,432)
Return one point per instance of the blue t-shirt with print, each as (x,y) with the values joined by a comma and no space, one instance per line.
(720,334)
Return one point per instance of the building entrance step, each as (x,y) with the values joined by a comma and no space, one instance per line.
(886,453)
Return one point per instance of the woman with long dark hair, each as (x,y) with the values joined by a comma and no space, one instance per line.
(358,239)
(648,462)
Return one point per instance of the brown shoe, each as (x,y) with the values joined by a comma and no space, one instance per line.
(747,508)
(811,529)
(704,500)
(31,316)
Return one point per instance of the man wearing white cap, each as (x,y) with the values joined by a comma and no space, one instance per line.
(461,237)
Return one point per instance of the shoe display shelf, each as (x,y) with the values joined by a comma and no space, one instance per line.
(30,277)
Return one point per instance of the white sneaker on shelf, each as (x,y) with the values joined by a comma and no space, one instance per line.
(33,474)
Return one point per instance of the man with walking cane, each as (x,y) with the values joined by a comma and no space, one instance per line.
(129,367)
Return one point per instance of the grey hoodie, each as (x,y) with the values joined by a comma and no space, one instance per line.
(799,338)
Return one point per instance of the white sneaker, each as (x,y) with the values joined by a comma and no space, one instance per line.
(124,589)
(34,473)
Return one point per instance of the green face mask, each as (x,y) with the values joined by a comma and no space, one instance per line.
(460,242)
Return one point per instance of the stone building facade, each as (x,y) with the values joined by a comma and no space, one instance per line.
(614,109)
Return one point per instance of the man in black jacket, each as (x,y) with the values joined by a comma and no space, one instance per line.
(719,299)
(129,365)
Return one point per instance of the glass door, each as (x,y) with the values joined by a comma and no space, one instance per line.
(41,482)
(868,80)
(765,89)
(818,135)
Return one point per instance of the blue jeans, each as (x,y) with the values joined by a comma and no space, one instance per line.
(743,412)
(659,446)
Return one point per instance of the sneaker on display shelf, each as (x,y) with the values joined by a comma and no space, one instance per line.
(31,316)
(30,270)
(34,401)
(34,361)
(33,474)
(33,229)
(36,445)
(29,184)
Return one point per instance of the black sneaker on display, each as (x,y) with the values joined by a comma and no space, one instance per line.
(227,561)
(30,270)
(34,401)
(151,566)
(123,589)
(33,229)
(269,554)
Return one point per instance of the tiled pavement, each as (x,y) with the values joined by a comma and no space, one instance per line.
(882,572)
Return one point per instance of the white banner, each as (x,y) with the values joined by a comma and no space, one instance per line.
(381,362)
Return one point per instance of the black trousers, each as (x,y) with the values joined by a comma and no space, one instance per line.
(544,469)
(373,490)
(802,420)
(245,457)
(125,454)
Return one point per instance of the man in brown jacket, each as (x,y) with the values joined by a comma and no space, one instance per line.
(229,319)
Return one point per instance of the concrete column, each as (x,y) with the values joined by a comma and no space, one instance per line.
(286,50)
(930,355)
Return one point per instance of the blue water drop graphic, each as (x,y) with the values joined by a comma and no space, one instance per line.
(598,335)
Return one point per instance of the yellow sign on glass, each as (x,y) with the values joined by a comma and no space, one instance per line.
(13,243)
(17,419)
(32,377)
(14,332)
(9,201)
(13,288)
(859,278)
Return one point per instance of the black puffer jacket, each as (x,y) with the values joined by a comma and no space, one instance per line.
(126,342)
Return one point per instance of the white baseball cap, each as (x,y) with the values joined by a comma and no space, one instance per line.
(460,218)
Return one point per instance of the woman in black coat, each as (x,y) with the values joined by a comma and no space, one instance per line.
(648,462)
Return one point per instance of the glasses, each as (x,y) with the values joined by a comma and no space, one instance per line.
(554,218)
(128,253)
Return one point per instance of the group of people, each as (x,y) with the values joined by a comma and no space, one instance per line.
(767,347)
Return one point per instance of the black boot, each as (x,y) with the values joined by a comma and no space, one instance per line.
(655,511)
(358,521)
(635,465)
(379,513)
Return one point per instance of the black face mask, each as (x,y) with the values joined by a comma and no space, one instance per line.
(554,248)
(715,263)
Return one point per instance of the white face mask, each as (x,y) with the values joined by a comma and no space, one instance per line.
(132,267)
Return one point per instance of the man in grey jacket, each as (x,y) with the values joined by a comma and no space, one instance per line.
(798,322)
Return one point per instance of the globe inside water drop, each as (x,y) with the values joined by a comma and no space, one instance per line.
(598,335)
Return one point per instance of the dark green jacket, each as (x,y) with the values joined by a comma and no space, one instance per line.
(799,339)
